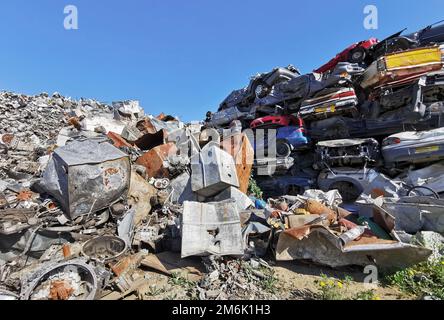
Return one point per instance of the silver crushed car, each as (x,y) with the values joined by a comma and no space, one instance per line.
(330,102)
(350,182)
(347,152)
(414,147)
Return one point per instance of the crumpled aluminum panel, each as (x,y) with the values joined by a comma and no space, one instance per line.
(323,247)
(211,229)
(414,214)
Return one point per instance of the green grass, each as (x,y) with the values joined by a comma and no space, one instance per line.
(331,289)
(336,289)
(269,284)
(254,189)
(190,287)
(177,280)
(367,295)
(154,291)
(424,279)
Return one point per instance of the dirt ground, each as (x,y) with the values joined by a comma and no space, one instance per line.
(295,281)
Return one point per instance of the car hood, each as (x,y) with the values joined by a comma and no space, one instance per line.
(344,142)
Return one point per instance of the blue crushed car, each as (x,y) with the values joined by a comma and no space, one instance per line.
(287,140)
(284,185)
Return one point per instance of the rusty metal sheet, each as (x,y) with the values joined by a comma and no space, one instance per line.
(242,151)
(323,247)
(118,141)
(153,160)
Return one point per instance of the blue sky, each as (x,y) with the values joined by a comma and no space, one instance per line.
(181,57)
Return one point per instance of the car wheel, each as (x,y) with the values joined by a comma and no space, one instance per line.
(283,149)
(357,55)
(349,192)
(262,90)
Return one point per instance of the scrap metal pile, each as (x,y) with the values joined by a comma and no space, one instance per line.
(92,194)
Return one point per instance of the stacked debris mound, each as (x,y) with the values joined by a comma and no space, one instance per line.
(113,189)
(92,195)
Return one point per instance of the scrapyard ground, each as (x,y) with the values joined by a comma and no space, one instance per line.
(294,282)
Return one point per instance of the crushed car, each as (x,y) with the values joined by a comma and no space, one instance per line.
(329,103)
(347,152)
(414,147)
(356,53)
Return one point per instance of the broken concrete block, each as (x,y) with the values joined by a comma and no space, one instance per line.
(211,229)
(213,170)
(243,202)
(242,151)
(154,159)
(87,176)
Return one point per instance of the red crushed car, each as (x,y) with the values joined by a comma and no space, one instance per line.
(356,53)
(276,121)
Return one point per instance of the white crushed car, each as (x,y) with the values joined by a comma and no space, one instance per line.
(414,147)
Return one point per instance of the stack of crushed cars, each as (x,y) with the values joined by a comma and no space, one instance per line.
(367,125)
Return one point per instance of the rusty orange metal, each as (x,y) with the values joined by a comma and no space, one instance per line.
(25,195)
(153,160)
(315,207)
(118,141)
(7,138)
(60,290)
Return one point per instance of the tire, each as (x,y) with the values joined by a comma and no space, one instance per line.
(409,192)
(283,149)
(357,55)
(264,90)
(348,190)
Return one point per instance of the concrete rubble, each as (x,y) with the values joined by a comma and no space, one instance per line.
(349,159)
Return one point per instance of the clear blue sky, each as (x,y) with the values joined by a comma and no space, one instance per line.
(181,57)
